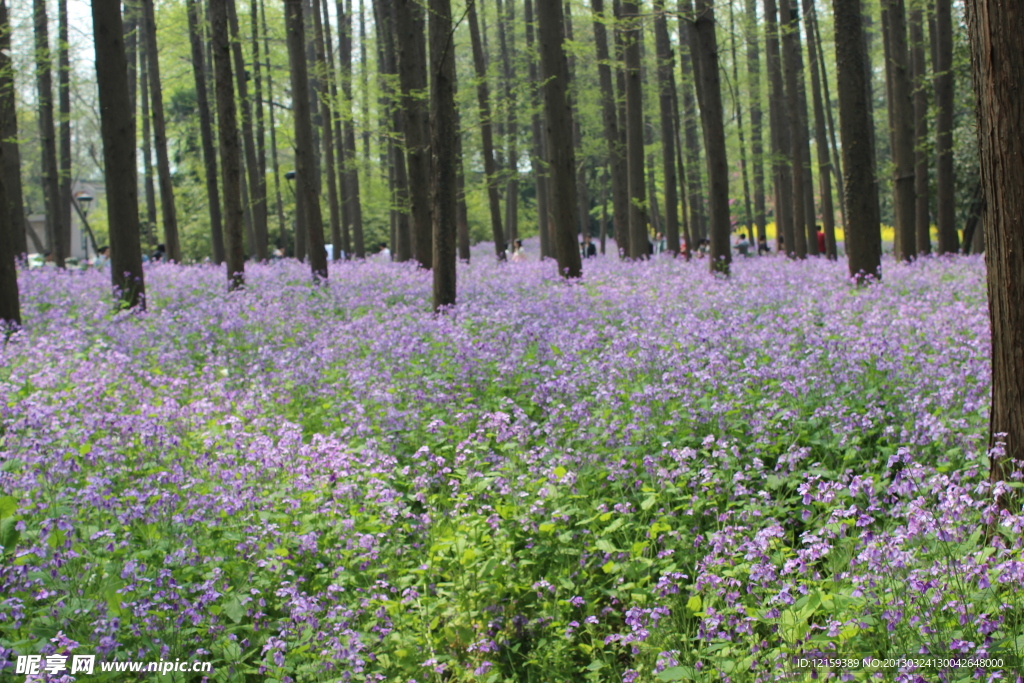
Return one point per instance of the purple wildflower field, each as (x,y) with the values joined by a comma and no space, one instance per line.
(652,474)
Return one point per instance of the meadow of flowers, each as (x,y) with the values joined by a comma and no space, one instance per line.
(651,474)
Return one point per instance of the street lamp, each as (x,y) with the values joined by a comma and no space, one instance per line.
(85,200)
(82,201)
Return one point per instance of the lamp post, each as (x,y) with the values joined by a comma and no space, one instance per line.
(299,222)
(82,201)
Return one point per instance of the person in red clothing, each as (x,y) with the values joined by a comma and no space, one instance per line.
(821,241)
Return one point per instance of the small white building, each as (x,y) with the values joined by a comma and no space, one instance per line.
(82,247)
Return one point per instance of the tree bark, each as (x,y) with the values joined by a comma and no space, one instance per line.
(444,132)
(257,106)
(353,212)
(461,212)
(945,174)
(537,153)
(666,85)
(616,155)
(714,137)
(828,218)
(638,244)
(117,124)
(64,117)
(558,118)
(698,215)
(51,178)
(340,240)
(506,33)
(903,130)
(163,163)
(206,132)
(803,224)
(274,165)
(10,305)
(412,72)
(308,189)
(327,118)
(754,90)
(748,215)
(836,167)
(150,224)
(780,136)
(486,134)
(11,167)
(863,233)
(997,59)
(582,196)
(398,177)
(922,214)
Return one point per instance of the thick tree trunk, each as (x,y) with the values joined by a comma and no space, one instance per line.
(748,215)
(257,107)
(412,71)
(666,86)
(863,231)
(922,213)
(444,132)
(537,153)
(51,180)
(398,178)
(780,136)
(308,186)
(903,130)
(616,155)
(340,238)
(996,29)
(754,91)
(945,175)
(714,137)
(64,117)
(327,120)
(688,82)
(11,168)
(10,305)
(486,134)
(828,218)
(117,124)
(582,195)
(803,224)
(149,183)
(506,33)
(230,145)
(638,244)
(163,162)
(364,77)
(353,211)
(558,118)
(206,132)
(274,165)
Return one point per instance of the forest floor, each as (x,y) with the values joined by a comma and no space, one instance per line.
(649,475)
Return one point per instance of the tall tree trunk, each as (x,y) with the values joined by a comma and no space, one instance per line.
(444,132)
(327,118)
(686,233)
(354,210)
(537,152)
(257,106)
(666,86)
(130,23)
(341,240)
(308,186)
(714,136)
(996,29)
(836,167)
(803,224)
(486,134)
(11,168)
(117,125)
(780,136)
(44,88)
(64,116)
(828,218)
(506,33)
(582,195)
(945,175)
(922,214)
(397,170)
(147,135)
(748,217)
(274,165)
(206,132)
(10,305)
(558,118)
(230,145)
(698,215)
(461,212)
(754,90)
(863,232)
(364,77)
(638,244)
(903,130)
(616,155)
(412,72)
(163,162)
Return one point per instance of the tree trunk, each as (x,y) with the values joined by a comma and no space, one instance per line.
(836,168)
(117,124)
(537,153)
(412,71)
(714,137)
(340,240)
(754,90)
(922,214)
(903,130)
(308,187)
(698,216)
(397,175)
(64,116)
(163,162)
(364,76)
(616,156)
(147,136)
(10,306)
(444,132)
(11,168)
(748,216)
(828,218)
(945,175)
(230,145)
(327,119)
(638,244)
(257,105)
(462,213)
(582,196)
(780,136)
(803,224)
(506,33)
(863,233)
(206,132)
(44,88)
(996,29)
(486,134)
(558,118)
(685,233)
(666,85)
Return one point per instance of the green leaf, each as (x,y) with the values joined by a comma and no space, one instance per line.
(7,506)
(234,610)
(678,673)
(9,534)
(606,546)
